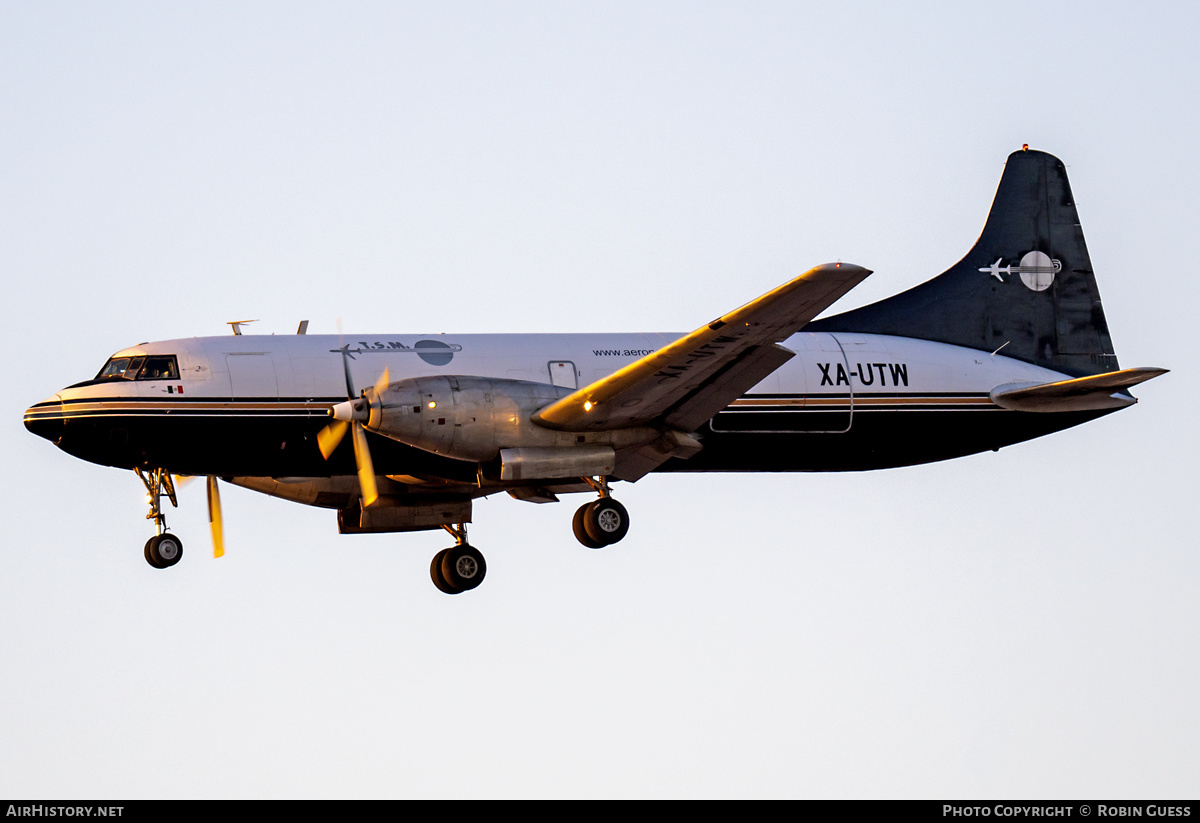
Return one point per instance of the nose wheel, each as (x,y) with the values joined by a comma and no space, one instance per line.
(459,568)
(163,550)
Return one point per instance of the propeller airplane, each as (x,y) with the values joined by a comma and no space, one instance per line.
(980,357)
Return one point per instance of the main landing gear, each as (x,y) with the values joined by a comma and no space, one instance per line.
(164,549)
(460,568)
(601,522)
(597,524)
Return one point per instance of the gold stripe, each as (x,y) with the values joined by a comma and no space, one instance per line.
(859,401)
(320,409)
(69,408)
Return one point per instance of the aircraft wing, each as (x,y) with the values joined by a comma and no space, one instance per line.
(685,383)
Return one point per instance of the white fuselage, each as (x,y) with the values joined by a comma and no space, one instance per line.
(300,368)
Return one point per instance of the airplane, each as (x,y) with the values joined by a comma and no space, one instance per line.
(980,357)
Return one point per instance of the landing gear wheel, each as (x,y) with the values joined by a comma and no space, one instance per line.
(435,572)
(463,568)
(606,521)
(150,557)
(581,531)
(163,551)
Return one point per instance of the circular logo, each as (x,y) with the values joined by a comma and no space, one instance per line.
(1037,271)
(437,353)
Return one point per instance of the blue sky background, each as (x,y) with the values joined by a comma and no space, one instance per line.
(1017,624)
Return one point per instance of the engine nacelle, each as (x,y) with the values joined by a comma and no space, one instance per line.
(473,418)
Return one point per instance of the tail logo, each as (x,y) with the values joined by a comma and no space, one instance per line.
(1036,269)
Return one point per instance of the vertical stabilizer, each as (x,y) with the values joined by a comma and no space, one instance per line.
(1026,287)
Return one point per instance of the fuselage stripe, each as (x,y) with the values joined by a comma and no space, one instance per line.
(311,408)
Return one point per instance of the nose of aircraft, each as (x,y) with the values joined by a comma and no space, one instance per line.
(45,419)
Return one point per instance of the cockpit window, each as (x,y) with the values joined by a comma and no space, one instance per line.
(114,368)
(120,368)
(161,367)
(153,367)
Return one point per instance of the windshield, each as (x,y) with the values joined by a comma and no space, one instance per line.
(153,367)
(118,368)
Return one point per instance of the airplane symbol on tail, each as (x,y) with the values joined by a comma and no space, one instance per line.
(1036,269)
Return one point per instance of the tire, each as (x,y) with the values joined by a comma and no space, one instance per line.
(435,573)
(149,555)
(164,551)
(606,521)
(463,567)
(580,529)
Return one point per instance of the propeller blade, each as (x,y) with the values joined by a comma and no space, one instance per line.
(214,517)
(382,383)
(346,368)
(329,437)
(366,469)
(345,360)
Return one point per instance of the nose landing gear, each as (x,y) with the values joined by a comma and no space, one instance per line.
(164,549)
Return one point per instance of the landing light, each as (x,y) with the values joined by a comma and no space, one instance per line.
(587,406)
(433,404)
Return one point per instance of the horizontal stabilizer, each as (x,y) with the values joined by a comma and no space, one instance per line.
(1092,393)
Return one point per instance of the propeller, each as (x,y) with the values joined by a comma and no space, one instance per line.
(214,517)
(351,415)
(214,511)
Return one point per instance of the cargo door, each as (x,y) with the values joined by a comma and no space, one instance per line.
(817,399)
(252,376)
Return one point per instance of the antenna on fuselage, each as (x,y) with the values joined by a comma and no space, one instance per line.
(237,325)
(303,329)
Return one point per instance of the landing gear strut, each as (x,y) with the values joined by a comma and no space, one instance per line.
(459,568)
(162,550)
(601,522)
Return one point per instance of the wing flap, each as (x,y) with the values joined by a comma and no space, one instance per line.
(708,368)
(741,375)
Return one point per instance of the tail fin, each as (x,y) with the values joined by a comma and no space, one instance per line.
(1026,287)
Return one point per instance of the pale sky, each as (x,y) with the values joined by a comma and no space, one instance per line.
(1017,624)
